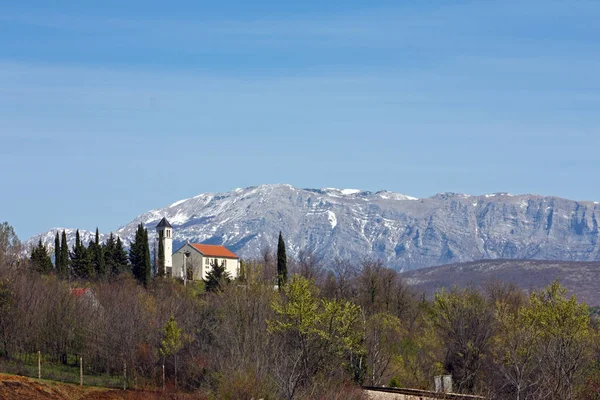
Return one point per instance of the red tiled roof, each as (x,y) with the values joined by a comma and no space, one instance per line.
(211,250)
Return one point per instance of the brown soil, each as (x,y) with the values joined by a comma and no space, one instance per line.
(17,387)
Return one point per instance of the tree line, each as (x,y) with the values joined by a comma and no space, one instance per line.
(96,260)
(332,326)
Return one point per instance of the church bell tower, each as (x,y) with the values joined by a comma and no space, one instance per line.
(167,238)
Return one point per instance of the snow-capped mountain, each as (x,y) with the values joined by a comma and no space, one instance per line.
(404,231)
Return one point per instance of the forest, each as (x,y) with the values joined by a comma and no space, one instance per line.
(304,328)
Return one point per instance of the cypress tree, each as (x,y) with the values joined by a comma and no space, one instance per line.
(160,262)
(57,251)
(147,266)
(139,256)
(99,260)
(64,256)
(40,259)
(134,252)
(281,263)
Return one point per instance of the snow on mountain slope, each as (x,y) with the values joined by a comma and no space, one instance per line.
(405,232)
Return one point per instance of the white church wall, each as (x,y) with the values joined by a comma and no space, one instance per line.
(196,262)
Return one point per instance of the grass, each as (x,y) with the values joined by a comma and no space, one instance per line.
(57,372)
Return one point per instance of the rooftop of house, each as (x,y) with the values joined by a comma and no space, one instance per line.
(211,250)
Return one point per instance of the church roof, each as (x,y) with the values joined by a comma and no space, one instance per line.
(211,250)
(164,223)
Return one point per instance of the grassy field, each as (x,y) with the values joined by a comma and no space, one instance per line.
(27,366)
(14,387)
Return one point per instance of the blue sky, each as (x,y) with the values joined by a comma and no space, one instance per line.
(112,109)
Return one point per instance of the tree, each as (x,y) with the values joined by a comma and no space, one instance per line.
(98,257)
(57,251)
(6,306)
(80,261)
(10,246)
(172,342)
(160,262)
(465,324)
(563,326)
(40,260)
(109,248)
(383,340)
(319,335)
(309,265)
(515,346)
(281,263)
(121,261)
(139,256)
(217,277)
(63,268)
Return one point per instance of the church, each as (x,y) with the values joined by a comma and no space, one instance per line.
(195,258)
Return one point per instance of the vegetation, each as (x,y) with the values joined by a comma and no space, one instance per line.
(40,260)
(139,255)
(281,263)
(331,328)
(62,266)
(217,277)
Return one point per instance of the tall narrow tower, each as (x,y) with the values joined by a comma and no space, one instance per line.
(167,236)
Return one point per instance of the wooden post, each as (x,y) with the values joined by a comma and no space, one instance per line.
(163,376)
(80,371)
(39,365)
(124,375)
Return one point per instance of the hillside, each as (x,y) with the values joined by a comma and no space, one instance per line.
(407,233)
(580,278)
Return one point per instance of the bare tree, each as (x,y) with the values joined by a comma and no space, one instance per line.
(309,265)
(10,247)
(345,274)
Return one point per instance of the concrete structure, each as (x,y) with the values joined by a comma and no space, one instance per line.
(166,229)
(381,393)
(201,256)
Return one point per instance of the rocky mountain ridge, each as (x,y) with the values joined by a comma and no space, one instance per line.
(406,232)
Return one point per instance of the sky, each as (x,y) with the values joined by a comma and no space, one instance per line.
(109,109)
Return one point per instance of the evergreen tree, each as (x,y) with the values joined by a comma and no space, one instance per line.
(91,254)
(40,259)
(217,277)
(139,256)
(63,269)
(109,255)
(98,259)
(121,261)
(160,262)
(147,266)
(56,251)
(281,263)
(80,262)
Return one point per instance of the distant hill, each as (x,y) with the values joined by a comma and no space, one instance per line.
(580,278)
(405,232)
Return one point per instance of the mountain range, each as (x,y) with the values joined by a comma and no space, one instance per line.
(405,232)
